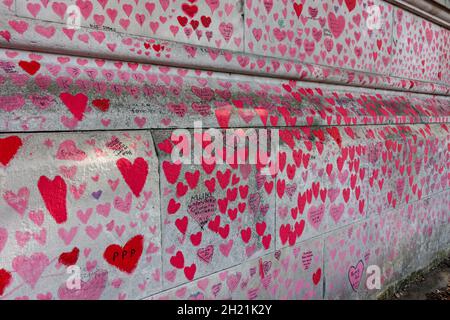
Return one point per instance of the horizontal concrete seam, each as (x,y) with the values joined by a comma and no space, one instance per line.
(232,127)
(317,237)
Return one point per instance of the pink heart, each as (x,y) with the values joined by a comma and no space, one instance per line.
(3,238)
(90,290)
(19,201)
(30,268)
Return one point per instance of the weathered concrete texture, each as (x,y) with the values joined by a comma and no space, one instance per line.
(217,215)
(422,48)
(82,191)
(290,273)
(421,237)
(68,93)
(329,41)
(363,174)
(85,199)
(213,23)
(330,32)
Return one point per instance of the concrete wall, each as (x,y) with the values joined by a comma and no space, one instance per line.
(87,179)
(328,41)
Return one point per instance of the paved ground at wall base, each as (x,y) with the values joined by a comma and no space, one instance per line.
(432,283)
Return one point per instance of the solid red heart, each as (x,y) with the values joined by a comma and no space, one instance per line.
(285,230)
(5,280)
(30,67)
(316,276)
(194,24)
(157,47)
(298,8)
(177,260)
(182,224)
(173,206)
(223,178)
(246,234)
(101,104)
(260,228)
(196,238)
(334,132)
(232,213)
(75,103)
(189,272)
(208,167)
(214,224)
(189,10)
(299,227)
(350,4)
(69,258)
(266,241)
(166,146)
(192,178)
(8,148)
(125,258)
(223,204)
(210,184)
(182,20)
(172,171)
(224,231)
(223,117)
(181,189)
(206,21)
(54,194)
(134,174)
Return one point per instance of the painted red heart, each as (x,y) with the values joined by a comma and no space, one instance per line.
(101,104)
(182,20)
(190,10)
(173,206)
(8,148)
(350,4)
(69,258)
(134,174)
(172,171)
(54,194)
(266,241)
(223,117)
(206,21)
(246,234)
(299,227)
(182,224)
(196,238)
(260,228)
(316,276)
(285,230)
(189,272)
(177,260)
(181,189)
(334,132)
(75,103)
(194,24)
(125,258)
(5,280)
(298,8)
(30,67)
(192,178)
